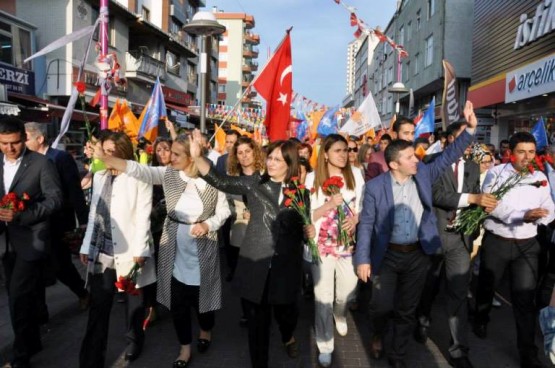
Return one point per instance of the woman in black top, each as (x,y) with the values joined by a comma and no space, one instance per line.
(269,269)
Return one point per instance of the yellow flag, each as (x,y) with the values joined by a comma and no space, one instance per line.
(371,133)
(316,117)
(420,152)
(114,121)
(314,158)
(241,131)
(130,123)
(220,139)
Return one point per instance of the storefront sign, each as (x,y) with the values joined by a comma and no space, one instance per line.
(531,80)
(17,80)
(542,23)
(174,96)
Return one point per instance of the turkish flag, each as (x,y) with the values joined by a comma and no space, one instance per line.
(275,85)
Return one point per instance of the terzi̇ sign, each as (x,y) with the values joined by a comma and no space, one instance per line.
(531,80)
(542,23)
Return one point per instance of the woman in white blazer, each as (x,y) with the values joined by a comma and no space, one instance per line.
(117,237)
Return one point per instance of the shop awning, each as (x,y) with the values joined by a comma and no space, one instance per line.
(40,104)
(488,93)
(8,109)
(182,109)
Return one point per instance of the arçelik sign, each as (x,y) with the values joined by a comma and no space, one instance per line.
(531,80)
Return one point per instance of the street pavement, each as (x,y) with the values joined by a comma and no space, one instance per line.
(63,334)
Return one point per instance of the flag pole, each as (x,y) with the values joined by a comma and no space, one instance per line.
(226,117)
(104,51)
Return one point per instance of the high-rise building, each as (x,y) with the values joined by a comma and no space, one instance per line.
(237,59)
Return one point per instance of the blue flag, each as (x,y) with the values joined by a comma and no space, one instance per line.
(538,131)
(154,110)
(427,124)
(302,128)
(328,123)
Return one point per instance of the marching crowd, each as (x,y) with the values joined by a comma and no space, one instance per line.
(358,224)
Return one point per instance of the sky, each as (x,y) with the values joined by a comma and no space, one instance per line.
(321,33)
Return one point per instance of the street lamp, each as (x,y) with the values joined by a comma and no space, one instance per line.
(397,88)
(204,24)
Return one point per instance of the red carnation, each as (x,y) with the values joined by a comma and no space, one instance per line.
(301,204)
(294,178)
(288,202)
(531,169)
(81,87)
(544,183)
(25,196)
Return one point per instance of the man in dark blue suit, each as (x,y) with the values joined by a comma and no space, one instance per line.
(231,137)
(74,206)
(397,232)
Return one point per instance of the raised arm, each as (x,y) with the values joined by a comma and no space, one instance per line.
(147,174)
(228,184)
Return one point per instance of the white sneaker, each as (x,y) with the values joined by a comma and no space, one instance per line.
(324,359)
(341,326)
(496,303)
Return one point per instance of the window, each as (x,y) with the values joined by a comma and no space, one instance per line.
(401,40)
(406,72)
(221,88)
(409,30)
(390,75)
(112,33)
(145,13)
(15,45)
(418,20)
(431,8)
(416,57)
(384,105)
(429,50)
(172,63)
(389,104)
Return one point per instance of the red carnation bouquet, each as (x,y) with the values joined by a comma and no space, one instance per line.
(471,218)
(331,187)
(12,202)
(297,196)
(128,283)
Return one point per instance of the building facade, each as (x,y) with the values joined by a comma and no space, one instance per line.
(238,54)
(430,31)
(513,65)
(352,49)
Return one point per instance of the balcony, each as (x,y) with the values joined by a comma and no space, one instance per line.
(142,66)
(252,38)
(250,52)
(250,67)
(249,21)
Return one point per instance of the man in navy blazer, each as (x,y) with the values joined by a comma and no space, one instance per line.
(74,206)
(396,234)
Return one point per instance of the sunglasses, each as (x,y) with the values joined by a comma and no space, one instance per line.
(350,149)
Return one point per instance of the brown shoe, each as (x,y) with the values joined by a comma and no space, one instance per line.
(376,348)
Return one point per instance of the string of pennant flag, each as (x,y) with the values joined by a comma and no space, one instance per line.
(362,27)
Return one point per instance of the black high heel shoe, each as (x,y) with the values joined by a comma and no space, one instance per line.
(133,351)
(203,345)
(181,363)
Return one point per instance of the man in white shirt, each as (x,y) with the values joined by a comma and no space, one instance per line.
(510,243)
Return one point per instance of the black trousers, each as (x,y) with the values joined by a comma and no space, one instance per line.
(24,288)
(453,265)
(185,297)
(93,348)
(65,269)
(259,319)
(397,288)
(521,260)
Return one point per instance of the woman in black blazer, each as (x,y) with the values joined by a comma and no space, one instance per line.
(269,269)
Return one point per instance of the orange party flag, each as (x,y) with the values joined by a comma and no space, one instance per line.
(220,138)
(420,152)
(114,121)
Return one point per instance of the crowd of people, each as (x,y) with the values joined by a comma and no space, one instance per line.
(380,233)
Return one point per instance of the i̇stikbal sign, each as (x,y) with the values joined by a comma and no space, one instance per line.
(540,24)
(531,80)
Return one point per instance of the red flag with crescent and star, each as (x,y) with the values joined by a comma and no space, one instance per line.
(275,85)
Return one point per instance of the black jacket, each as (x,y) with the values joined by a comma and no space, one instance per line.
(272,248)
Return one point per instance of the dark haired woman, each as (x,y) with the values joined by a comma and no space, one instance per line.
(117,237)
(269,269)
(334,277)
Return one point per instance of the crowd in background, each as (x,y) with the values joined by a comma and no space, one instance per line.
(381,241)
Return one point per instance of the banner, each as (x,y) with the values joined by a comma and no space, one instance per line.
(450,110)
(365,118)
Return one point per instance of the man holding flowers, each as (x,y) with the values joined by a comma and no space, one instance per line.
(509,241)
(396,234)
